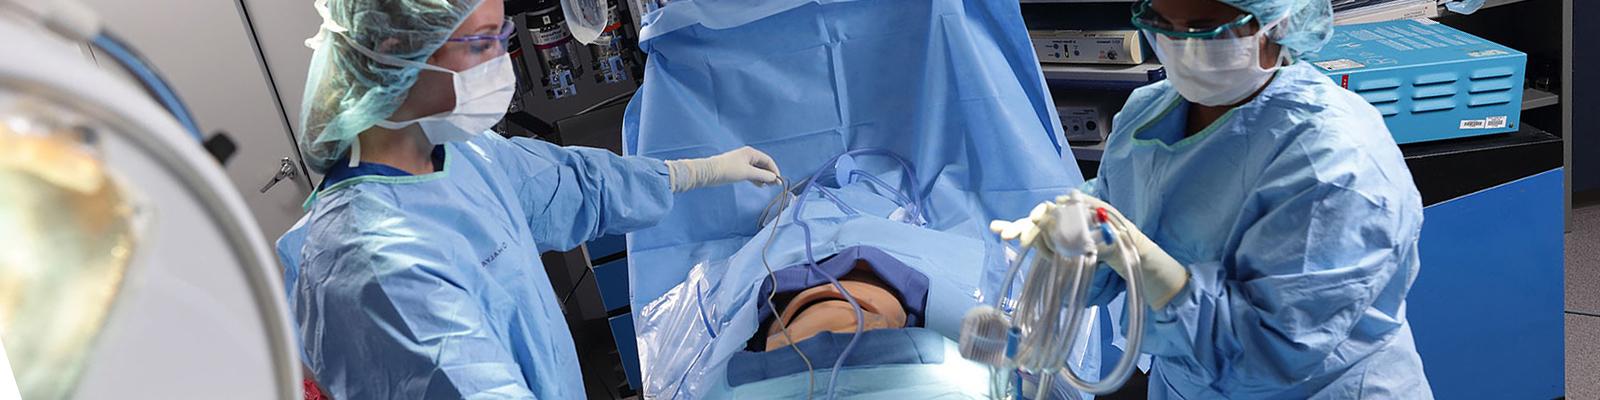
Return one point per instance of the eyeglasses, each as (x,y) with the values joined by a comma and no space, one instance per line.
(1148,20)
(507,28)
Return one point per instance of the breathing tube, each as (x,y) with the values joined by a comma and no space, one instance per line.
(1037,336)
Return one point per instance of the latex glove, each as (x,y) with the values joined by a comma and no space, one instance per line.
(1025,230)
(743,164)
(1162,275)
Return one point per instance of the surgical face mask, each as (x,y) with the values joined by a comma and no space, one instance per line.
(483,93)
(1218,71)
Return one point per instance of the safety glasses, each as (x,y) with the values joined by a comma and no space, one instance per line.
(507,29)
(1148,20)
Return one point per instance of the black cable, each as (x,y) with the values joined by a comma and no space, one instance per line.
(576,285)
(608,102)
(1583,314)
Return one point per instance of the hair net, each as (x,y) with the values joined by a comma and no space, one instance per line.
(1306,26)
(348,91)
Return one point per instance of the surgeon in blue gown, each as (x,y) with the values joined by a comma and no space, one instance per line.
(416,272)
(1275,218)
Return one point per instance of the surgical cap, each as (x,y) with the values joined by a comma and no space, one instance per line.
(347,91)
(1306,24)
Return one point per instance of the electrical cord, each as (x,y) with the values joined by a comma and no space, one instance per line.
(784,196)
(774,209)
(811,262)
(913,205)
(606,102)
(909,176)
(576,284)
(149,79)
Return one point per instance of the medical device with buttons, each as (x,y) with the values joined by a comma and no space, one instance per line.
(1086,114)
(1084,123)
(1088,47)
(1430,81)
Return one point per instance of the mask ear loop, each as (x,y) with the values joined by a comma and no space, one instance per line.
(1267,33)
(393,61)
(1273,32)
(355,152)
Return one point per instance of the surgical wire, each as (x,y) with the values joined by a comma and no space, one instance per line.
(781,201)
(912,207)
(576,285)
(909,173)
(811,262)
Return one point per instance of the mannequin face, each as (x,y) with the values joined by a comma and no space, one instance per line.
(823,309)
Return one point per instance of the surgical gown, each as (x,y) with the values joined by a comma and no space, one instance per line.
(430,286)
(1297,219)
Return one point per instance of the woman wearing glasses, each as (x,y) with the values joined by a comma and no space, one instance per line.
(416,271)
(1279,220)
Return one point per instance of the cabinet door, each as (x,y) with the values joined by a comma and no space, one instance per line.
(208,51)
(281,29)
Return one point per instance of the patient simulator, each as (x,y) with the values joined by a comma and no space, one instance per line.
(905,128)
(846,293)
(776,318)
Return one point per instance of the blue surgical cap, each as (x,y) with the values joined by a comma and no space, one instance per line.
(1305,25)
(348,91)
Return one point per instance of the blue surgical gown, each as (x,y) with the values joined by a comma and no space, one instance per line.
(430,286)
(1298,221)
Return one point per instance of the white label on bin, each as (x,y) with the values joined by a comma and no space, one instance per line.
(1487,53)
(1495,122)
(1339,64)
(1473,124)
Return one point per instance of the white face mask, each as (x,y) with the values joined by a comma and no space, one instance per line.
(482,94)
(1215,72)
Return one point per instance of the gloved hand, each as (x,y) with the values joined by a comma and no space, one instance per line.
(1162,275)
(742,164)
